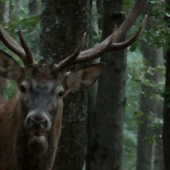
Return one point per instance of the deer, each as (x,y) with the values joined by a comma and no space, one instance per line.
(30,123)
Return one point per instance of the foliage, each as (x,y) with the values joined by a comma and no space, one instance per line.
(30,28)
(137,67)
(155,34)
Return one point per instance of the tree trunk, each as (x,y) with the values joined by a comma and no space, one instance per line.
(106,151)
(2,10)
(166,112)
(34,7)
(149,106)
(6,13)
(147,153)
(158,154)
(14,9)
(62,26)
(4,17)
(100,11)
(92,91)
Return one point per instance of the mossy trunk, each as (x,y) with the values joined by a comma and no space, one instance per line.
(63,24)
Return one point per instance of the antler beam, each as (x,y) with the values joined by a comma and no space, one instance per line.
(111,43)
(130,20)
(98,50)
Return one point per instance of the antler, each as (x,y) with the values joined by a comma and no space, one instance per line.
(72,57)
(25,54)
(110,43)
(28,52)
(95,52)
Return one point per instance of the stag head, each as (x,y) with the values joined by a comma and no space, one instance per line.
(42,87)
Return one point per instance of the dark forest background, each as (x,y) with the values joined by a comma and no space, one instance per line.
(113,125)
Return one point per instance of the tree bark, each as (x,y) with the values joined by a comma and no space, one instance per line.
(6,13)
(62,26)
(2,10)
(106,151)
(92,91)
(147,153)
(34,7)
(149,106)
(166,112)
(14,9)
(158,154)
(100,12)
(4,17)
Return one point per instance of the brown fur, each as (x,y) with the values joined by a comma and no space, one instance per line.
(15,151)
(30,124)
(14,137)
(8,124)
(13,141)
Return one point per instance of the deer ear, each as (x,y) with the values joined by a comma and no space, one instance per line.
(9,68)
(85,77)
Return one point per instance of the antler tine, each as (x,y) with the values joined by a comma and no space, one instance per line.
(11,43)
(68,61)
(123,45)
(130,20)
(28,52)
(26,55)
(98,50)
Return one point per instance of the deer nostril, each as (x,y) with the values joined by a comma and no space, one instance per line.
(36,123)
(30,123)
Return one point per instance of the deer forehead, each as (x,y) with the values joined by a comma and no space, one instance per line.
(42,74)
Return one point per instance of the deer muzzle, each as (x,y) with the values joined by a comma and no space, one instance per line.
(37,123)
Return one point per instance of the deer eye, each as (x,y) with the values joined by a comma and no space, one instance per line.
(59,91)
(24,86)
(23,89)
